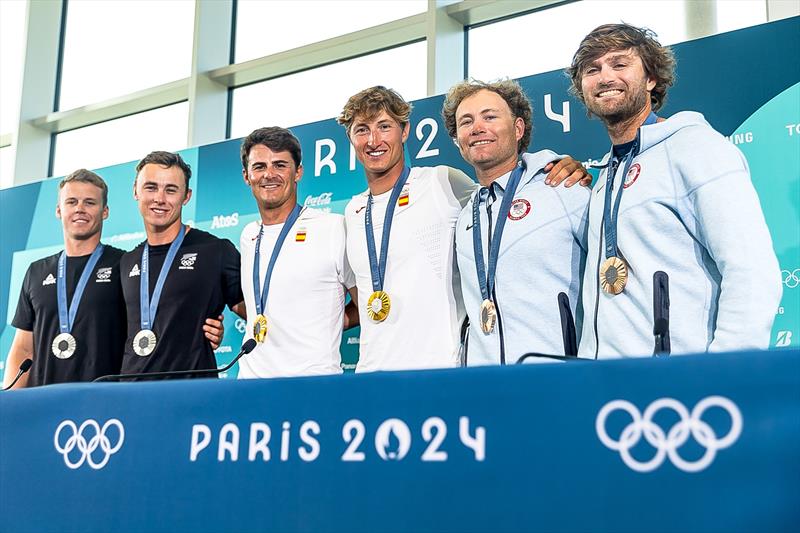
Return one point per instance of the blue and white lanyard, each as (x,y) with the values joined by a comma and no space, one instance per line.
(66,317)
(610,212)
(486,274)
(378,270)
(261,299)
(148,307)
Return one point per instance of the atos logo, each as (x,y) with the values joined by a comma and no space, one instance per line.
(88,443)
(222,221)
(667,443)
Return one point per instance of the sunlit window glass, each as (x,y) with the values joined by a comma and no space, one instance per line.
(123,139)
(12,49)
(321,93)
(264,28)
(546,40)
(119,47)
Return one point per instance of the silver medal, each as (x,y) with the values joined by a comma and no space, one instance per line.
(64,346)
(144,343)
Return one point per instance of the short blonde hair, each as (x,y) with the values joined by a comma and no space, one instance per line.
(370,102)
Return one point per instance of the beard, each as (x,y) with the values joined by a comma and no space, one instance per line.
(622,111)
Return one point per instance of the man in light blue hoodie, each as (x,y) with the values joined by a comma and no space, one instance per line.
(673,196)
(519,243)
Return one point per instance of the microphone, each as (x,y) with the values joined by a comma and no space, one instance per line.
(23,367)
(568,334)
(247,347)
(661,314)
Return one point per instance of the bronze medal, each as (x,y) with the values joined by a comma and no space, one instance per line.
(378,306)
(613,275)
(488,316)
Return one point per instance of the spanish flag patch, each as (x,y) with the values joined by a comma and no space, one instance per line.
(403,200)
(300,236)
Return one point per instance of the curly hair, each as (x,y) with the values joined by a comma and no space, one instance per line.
(509,90)
(370,102)
(658,61)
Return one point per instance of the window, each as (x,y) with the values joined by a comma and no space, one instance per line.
(120,47)
(12,48)
(546,40)
(321,93)
(124,139)
(265,28)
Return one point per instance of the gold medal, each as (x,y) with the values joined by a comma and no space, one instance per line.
(488,316)
(260,328)
(378,306)
(613,275)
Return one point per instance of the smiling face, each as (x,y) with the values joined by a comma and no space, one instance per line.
(161,193)
(487,134)
(81,210)
(615,86)
(378,143)
(272,178)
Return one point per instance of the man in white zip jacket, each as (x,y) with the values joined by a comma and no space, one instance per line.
(674,196)
(511,290)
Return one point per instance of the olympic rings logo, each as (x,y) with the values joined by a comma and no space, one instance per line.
(791,278)
(97,438)
(667,444)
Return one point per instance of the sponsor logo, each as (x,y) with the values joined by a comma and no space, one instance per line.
(134,271)
(104,275)
(360,209)
(88,443)
(224,349)
(317,201)
(783,339)
(667,443)
(222,221)
(240,325)
(49,280)
(519,209)
(741,138)
(632,175)
(352,340)
(187,261)
(791,278)
(288,441)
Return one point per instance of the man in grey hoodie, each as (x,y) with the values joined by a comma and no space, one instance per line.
(675,196)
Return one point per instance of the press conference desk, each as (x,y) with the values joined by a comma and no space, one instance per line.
(687,443)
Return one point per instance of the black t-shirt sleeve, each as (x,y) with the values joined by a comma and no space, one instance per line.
(24,317)
(231,274)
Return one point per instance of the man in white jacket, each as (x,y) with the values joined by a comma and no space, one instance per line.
(519,243)
(675,196)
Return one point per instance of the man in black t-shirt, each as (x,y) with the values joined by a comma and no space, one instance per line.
(200,275)
(89,344)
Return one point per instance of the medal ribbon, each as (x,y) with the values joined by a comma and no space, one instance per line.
(486,275)
(67,317)
(261,302)
(609,213)
(148,307)
(378,270)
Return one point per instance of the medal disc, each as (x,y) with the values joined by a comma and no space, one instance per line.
(488,316)
(64,345)
(378,306)
(260,328)
(613,275)
(144,343)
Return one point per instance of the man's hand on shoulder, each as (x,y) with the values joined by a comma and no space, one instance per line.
(567,171)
